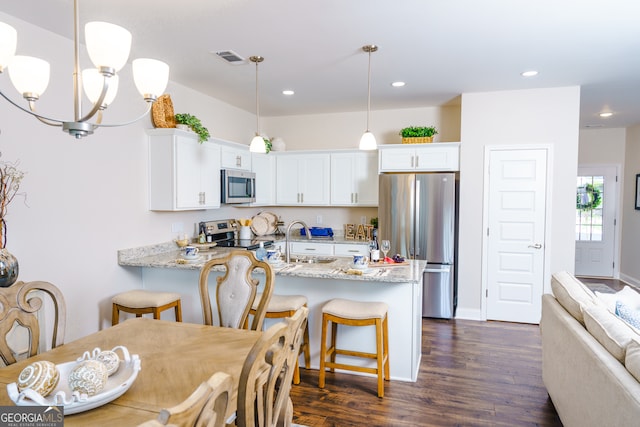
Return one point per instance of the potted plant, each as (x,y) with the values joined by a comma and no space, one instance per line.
(418,134)
(194,124)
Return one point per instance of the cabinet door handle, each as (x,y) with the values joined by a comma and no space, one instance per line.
(301,197)
(412,161)
(356,197)
(417,161)
(536,246)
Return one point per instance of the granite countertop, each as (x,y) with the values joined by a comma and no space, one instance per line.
(167,255)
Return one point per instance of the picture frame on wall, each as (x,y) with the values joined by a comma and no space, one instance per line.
(638,192)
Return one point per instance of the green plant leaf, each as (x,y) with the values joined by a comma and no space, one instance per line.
(195,124)
(418,131)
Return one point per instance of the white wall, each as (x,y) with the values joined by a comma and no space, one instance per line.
(542,116)
(343,130)
(602,146)
(629,266)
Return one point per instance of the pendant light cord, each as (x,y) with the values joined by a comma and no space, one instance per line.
(257,102)
(369,91)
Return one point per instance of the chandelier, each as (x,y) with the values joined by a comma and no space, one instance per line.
(108,46)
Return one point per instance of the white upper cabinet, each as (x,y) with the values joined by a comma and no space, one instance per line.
(264,166)
(234,156)
(354,178)
(302,179)
(183,174)
(442,156)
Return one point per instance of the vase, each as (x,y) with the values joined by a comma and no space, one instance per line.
(8,268)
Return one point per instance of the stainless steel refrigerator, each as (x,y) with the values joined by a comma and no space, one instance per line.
(417,213)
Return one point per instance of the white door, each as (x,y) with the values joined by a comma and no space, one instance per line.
(516,218)
(596,201)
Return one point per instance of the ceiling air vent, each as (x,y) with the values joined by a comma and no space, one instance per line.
(231,57)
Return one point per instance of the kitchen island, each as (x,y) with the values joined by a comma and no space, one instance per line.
(161,268)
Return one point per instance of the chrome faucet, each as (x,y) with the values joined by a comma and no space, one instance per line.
(307,232)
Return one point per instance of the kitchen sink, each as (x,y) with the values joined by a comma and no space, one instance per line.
(312,259)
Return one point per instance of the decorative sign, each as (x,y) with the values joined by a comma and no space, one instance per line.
(358,232)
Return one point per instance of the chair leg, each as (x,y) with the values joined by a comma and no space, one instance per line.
(307,351)
(323,351)
(156,313)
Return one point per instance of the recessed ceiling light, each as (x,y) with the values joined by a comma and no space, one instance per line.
(530,73)
(287,92)
(397,84)
(605,115)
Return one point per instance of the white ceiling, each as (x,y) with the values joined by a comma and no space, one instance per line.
(439,48)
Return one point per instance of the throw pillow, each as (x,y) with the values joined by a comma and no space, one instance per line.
(609,330)
(632,359)
(572,294)
(628,314)
(627,295)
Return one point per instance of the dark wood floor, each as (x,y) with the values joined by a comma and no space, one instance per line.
(472,374)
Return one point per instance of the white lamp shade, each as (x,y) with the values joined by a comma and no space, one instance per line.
(29,74)
(257,145)
(93,81)
(368,141)
(8,41)
(108,45)
(150,76)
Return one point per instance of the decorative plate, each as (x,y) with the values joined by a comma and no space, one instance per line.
(74,402)
(260,225)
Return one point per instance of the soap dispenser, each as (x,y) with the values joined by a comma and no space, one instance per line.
(261,252)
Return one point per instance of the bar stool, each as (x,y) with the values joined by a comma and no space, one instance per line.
(355,313)
(141,302)
(281,306)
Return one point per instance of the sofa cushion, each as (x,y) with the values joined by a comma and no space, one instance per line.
(627,295)
(632,359)
(610,331)
(628,314)
(572,294)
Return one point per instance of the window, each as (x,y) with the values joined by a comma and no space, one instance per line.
(589,202)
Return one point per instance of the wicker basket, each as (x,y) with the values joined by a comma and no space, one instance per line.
(417,140)
(162,112)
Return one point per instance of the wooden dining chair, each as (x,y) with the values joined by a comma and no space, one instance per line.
(267,373)
(236,290)
(206,407)
(21,304)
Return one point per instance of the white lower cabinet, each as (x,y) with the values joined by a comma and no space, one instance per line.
(183,174)
(350,249)
(310,248)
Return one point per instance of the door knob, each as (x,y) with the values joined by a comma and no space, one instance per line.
(536,246)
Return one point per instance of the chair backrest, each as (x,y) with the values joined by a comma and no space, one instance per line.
(236,290)
(206,407)
(267,374)
(19,305)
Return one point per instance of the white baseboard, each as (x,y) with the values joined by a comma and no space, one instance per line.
(468,313)
(630,280)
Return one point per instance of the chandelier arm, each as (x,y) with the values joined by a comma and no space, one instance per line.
(113,125)
(44,119)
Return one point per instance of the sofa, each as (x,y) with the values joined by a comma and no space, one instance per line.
(590,356)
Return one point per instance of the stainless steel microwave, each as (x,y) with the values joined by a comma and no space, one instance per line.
(237,186)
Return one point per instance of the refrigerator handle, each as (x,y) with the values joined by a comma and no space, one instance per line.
(416,220)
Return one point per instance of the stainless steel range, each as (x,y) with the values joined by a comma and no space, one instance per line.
(223,233)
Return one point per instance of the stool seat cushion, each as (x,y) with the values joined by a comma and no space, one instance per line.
(350,309)
(141,298)
(279,303)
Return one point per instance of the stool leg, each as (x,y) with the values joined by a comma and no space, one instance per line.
(115,315)
(333,348)
(156,313)
(323,351)
(178,312)
(385,332)
(307,352)
(380,356)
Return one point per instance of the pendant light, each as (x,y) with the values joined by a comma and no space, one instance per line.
(368,141)
(257,143)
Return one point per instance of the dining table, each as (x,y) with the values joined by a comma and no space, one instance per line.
(175,358)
